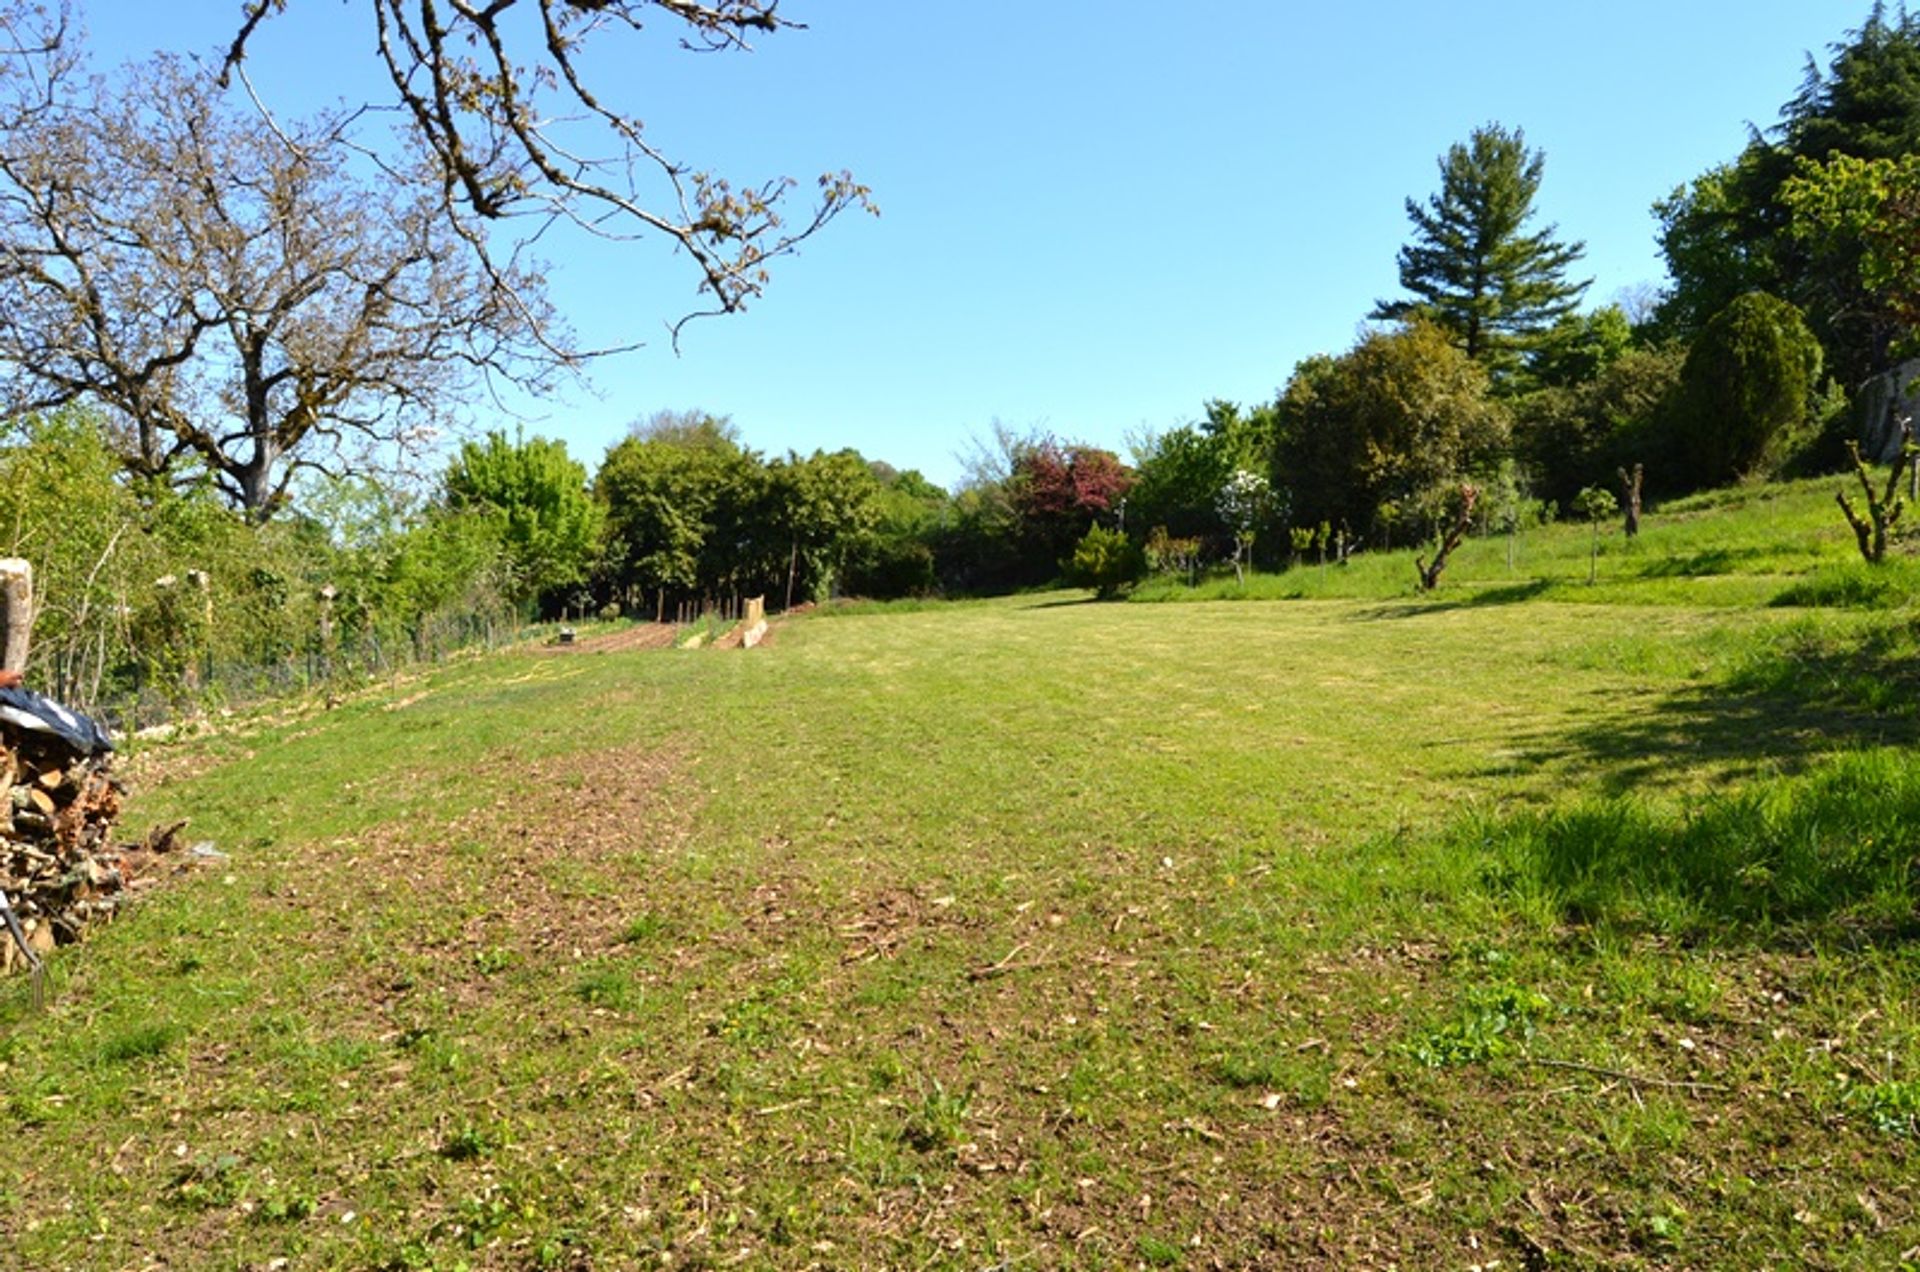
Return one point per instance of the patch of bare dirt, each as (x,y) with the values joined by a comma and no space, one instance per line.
(626,640)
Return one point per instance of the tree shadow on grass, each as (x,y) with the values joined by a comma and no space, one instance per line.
(1770,863)
(1504,594)
(1699,564)
(1661,738)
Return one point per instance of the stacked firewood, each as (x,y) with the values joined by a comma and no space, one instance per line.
(58,866)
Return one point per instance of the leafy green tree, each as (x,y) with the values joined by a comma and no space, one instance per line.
(1579,347)
(1403,413)
(825,506)
(536,496)
(1471,267)
(1577,435)
(1730,231)
(1178,474)
(1595,503)
(667,488)
(1866,211)
(1748,385)
(897,558)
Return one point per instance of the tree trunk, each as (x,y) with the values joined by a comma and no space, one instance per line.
(1630,497)
(1430,574)
(16,612)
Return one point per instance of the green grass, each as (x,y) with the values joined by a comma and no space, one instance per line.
(1782,543)
(1360,930)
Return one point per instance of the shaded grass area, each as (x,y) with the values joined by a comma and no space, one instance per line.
(1050,936)
(1832,854)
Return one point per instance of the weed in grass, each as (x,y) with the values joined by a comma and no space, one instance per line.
(208,1183)
(1155,1252)
(471,1143)
(607,987)
(1651,1125)
(1275,1066)
(886,1071)
(643,928)
(493,960)
(142,1042)
(1892,1108)
(1495,1016)
(938,1122)
(280,1204)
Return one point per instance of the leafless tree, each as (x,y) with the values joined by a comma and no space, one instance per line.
(496,91)
(249,294)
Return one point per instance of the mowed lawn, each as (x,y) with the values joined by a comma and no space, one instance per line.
(1023,934)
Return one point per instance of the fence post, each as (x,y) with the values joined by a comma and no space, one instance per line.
(325,596)
(16,612)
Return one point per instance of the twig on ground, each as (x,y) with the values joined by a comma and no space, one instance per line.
(1632,1078)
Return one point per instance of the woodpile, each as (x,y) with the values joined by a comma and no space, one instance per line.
(58,866)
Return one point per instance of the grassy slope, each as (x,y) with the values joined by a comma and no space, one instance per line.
(1037,932)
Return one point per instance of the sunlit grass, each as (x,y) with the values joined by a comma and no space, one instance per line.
(1337,932)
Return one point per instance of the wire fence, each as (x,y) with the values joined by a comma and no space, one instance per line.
(141,694)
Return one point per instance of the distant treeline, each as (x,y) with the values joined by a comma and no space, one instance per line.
(1793,284)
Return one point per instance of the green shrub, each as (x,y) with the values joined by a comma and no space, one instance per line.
(1747,388)
(1106,561)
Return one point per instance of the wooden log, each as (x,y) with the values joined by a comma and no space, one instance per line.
(16,612)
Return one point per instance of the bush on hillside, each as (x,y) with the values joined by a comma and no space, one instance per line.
(1106,561)
(1747,390)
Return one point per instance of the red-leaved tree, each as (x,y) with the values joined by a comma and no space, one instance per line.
(1058,490)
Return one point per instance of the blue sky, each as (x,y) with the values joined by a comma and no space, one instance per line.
(1095,216)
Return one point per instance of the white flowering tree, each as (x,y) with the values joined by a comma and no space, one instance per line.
(1244,502)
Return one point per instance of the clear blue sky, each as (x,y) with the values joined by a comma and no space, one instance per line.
(1096,216)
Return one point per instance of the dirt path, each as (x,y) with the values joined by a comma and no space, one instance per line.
(639,636)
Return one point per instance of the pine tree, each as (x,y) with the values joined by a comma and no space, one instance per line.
(1470,268)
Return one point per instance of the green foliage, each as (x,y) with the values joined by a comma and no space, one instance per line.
(693,514)
(1403,412)
(1493,1019)
(1106,561)
(1179,473)
(1595,502)
(1864,211)
(1734,229)
(1892,1108)
(1746,389)
(897,558)
(667,491)
(1578,347)
(1578,434)
(536,496)
(1494,289)
(826,506)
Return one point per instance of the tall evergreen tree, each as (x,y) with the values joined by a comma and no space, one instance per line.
(1729,231)
(1470,266)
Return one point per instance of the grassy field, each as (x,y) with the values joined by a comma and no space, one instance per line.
(1526,925)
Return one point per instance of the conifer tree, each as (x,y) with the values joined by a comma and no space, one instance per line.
(1470,266)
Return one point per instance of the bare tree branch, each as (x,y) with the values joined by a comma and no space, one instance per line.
(477,90)
(226,286)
